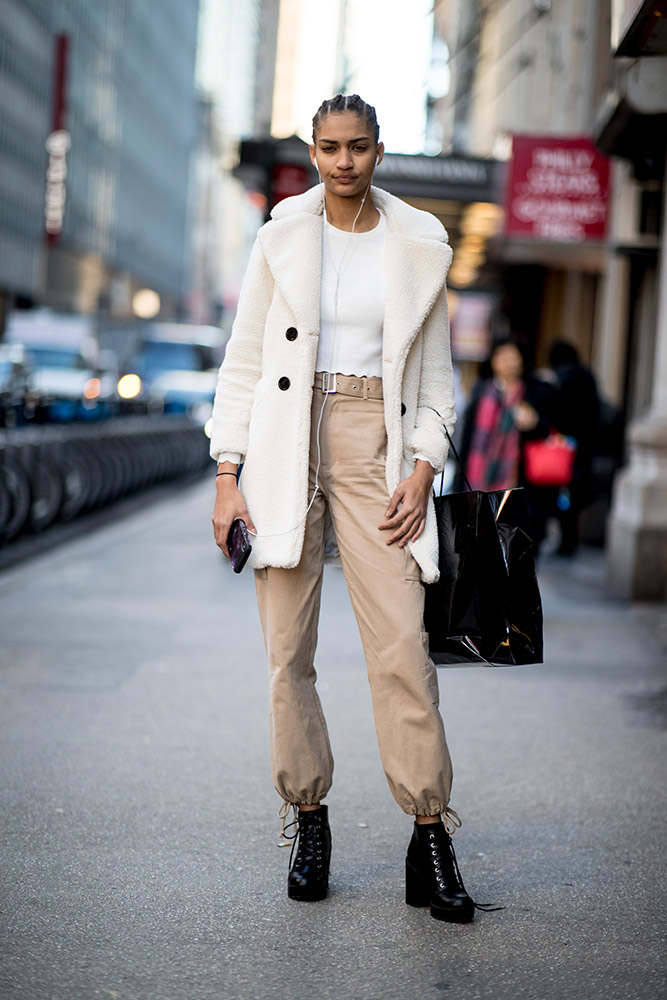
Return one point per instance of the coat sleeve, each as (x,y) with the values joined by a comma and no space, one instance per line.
(435,404)
(241,368)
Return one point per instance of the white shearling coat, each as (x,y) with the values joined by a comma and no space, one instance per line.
(264,392)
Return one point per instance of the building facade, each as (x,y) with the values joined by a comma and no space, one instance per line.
(631,126)
(590,73)
(235,75)
(538,68)
(26,53)
(98,121)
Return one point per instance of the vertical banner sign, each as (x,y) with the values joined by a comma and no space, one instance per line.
(557,190)
(57,147)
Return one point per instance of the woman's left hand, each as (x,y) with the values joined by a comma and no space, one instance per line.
(406,513)
(525,416)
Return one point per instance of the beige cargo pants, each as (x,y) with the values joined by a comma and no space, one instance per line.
(388,601)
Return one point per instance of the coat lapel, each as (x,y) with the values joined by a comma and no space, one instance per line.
(293,250)
(416,272)
(416,268)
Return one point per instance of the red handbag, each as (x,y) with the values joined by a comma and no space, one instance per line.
(549,461)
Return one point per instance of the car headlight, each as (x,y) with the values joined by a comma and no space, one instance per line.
(91,389)
(129,386)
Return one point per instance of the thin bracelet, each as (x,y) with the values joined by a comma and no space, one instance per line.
(225,474)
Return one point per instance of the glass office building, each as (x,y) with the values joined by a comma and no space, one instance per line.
(116,82)
(25,91)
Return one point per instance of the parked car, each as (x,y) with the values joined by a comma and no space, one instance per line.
(15,385)
(66,381)
(178,365)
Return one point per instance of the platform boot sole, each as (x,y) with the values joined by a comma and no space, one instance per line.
(307,895)
(417,894)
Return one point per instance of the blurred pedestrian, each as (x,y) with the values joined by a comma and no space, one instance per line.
(333,392)
(576,408)
(508,406)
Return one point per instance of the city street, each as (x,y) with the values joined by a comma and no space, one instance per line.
(139,827)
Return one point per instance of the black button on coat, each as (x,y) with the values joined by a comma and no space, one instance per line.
(291,333)
(283,383)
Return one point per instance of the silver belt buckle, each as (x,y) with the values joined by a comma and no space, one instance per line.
(328,382)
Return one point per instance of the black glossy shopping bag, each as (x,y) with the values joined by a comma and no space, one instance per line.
(486,608)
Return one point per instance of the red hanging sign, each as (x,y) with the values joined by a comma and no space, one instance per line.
(557,190)
(288,179)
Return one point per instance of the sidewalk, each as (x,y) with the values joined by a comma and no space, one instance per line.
(588,569)
(139,825)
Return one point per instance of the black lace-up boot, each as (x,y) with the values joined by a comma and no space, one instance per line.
(309,874)
(432,876)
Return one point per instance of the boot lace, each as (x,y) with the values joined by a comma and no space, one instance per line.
(451,820)
(304,836)
(436,848)
(283,814)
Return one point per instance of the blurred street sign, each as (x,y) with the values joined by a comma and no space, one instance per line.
(452,178)
(288,180)
(557,190)
(57,145)
(446,178)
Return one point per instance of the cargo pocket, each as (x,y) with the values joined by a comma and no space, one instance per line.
(412,570)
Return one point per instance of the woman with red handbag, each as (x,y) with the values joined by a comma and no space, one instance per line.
(508,408)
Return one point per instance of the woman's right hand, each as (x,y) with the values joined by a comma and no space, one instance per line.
(229,504)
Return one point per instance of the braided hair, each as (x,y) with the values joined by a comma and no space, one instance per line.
(347,102)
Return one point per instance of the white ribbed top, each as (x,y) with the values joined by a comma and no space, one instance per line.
(351,334)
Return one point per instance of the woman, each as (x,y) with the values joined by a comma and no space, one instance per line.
(508,407)
(333,392)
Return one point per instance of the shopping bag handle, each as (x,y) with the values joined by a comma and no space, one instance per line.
(456,456)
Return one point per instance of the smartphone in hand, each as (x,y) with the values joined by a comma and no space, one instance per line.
(238,545)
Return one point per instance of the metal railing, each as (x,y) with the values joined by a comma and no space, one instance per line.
(55,473)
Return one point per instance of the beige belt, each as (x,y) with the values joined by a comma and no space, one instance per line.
(349,385)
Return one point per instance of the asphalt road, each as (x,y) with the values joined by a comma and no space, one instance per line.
(138,824)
